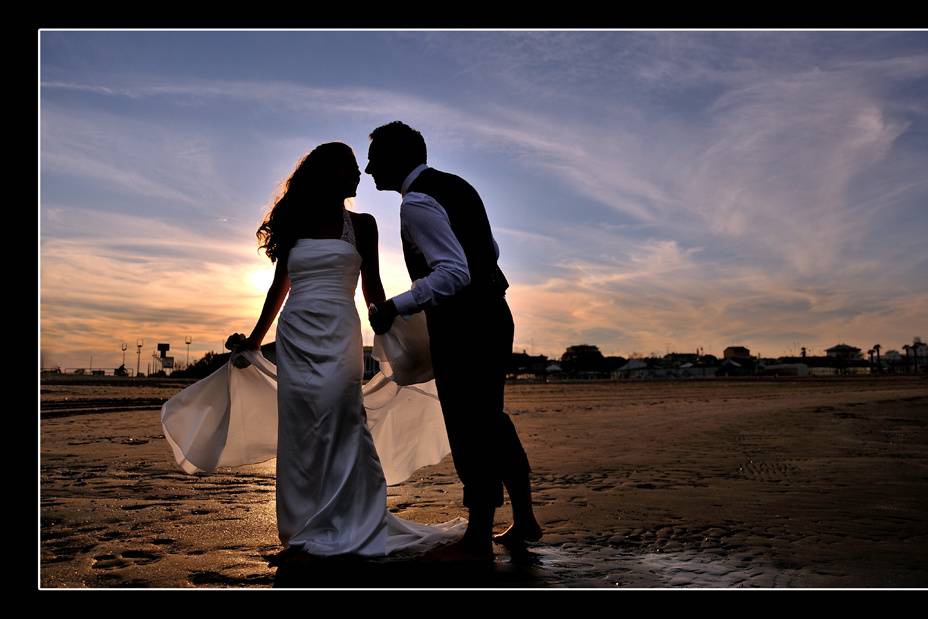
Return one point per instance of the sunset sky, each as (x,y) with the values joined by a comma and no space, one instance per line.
(648,190)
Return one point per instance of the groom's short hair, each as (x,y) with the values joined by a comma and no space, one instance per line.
(403,141)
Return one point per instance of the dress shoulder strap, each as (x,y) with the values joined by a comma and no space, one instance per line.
(348,229)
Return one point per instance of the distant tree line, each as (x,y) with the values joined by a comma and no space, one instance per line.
(203,367)
(581,361)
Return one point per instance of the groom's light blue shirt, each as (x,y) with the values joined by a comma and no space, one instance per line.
(424,224)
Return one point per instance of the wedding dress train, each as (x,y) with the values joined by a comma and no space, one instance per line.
(338,444)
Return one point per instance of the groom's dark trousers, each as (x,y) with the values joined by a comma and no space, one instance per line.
(471,344)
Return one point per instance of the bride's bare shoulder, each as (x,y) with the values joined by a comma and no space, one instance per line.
(365,217)
(363,222)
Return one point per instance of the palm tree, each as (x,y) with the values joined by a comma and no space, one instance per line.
(870,352)
(877,348)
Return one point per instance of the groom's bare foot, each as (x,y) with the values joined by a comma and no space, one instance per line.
(516,536)
(462,550)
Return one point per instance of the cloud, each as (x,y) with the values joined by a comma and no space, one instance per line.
(146,163)
(523,235)
(156,280)
(657,294)
(758,188)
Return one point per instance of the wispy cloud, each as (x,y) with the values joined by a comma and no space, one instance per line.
(124,276)
(120,156)
(714,188)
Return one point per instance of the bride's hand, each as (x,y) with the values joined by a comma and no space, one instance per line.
(234,341)
(238,360)
(238,343)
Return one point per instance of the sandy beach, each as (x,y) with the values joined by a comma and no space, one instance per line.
(717,483)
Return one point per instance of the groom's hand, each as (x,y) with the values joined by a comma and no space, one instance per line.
(382,316)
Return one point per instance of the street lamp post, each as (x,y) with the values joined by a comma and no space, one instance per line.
(124,348)
(138,366)
(188,340)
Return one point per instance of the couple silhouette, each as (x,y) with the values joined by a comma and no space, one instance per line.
(330,446)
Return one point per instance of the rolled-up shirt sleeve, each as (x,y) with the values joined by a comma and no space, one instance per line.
(425,224)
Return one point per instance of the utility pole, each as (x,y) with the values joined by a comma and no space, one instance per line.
(138,365)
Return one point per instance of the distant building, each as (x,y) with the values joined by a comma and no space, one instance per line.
(892,356)
(785,369)
(612,364)
(920,348)
(677,358)
(697,370)
(635,368)
(914,356)
(843,351)
(524,365)
(730,367)
(736,352)
(822,365)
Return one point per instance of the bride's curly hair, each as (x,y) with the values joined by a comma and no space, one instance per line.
(311,183)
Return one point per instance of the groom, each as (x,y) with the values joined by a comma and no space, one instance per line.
(451,257)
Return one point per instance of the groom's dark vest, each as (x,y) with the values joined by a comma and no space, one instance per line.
(470,225)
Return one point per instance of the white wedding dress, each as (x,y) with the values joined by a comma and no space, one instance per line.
(337,444)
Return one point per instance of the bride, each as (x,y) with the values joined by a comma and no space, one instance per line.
(337,443)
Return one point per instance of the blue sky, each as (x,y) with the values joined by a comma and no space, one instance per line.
(648,190)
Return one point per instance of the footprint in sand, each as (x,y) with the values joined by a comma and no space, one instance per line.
(217,578)
(108,562)
(125,559)
(776,472)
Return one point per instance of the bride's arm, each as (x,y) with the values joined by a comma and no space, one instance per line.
(275,298)
(371,286)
